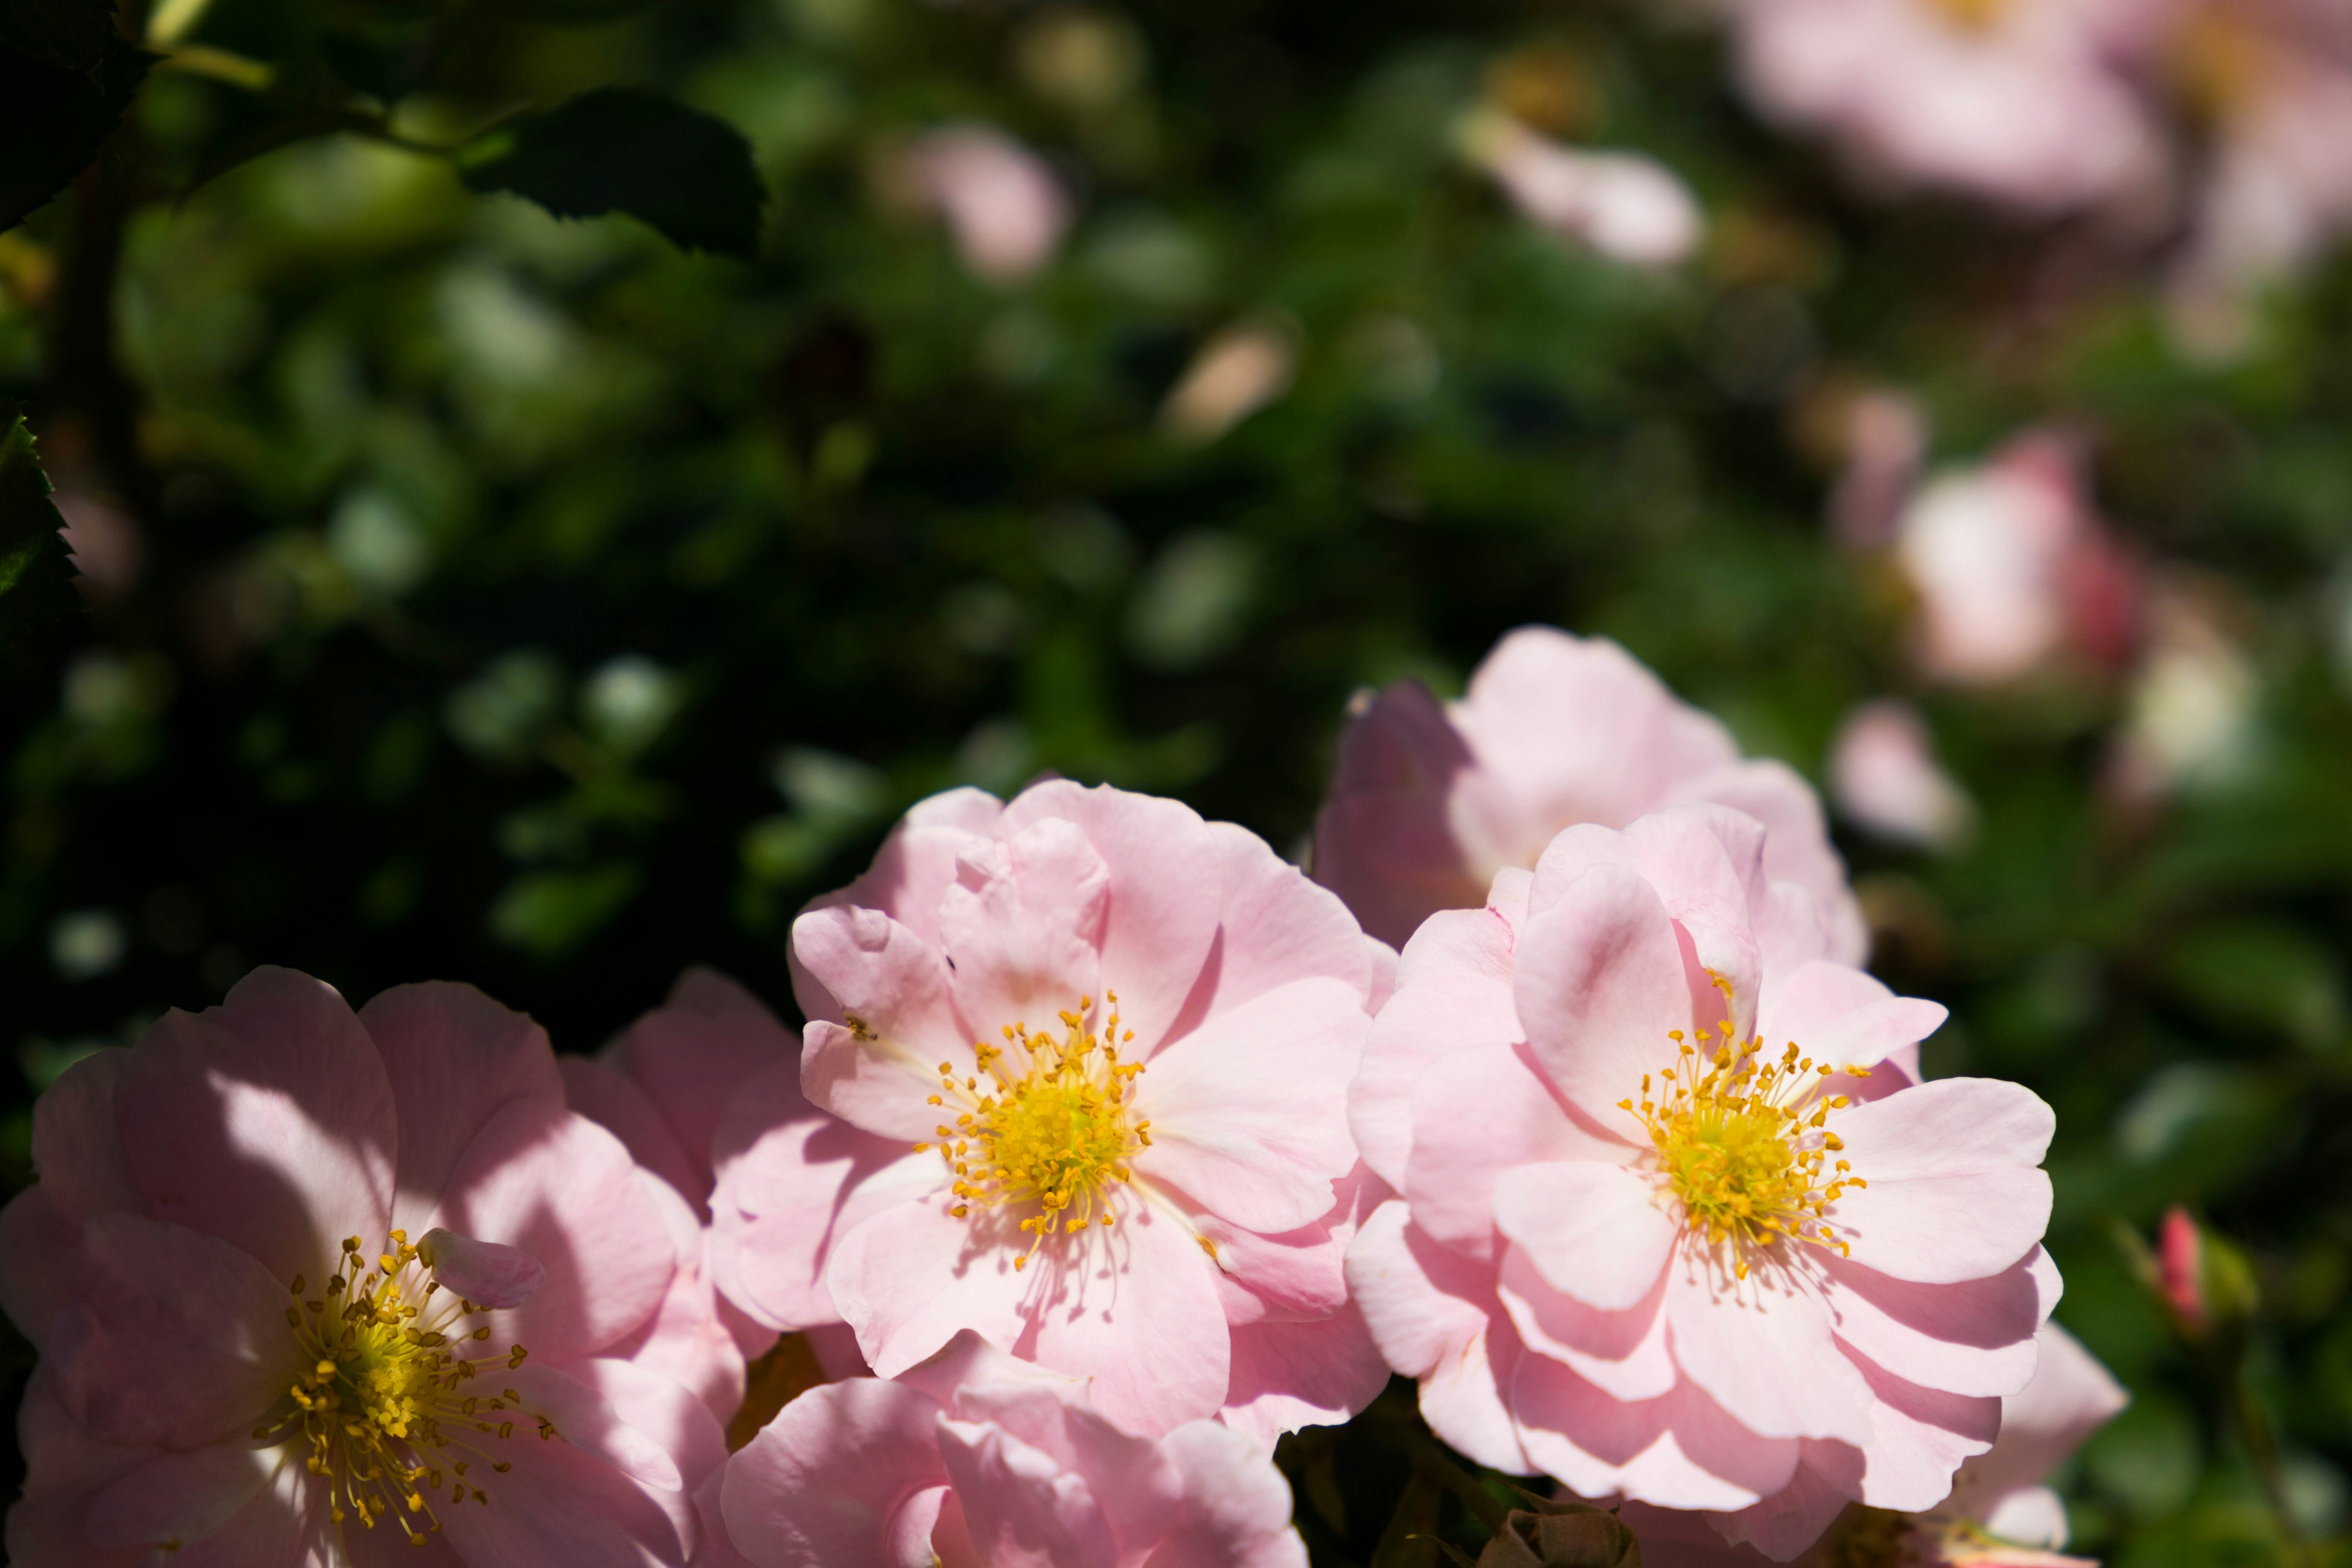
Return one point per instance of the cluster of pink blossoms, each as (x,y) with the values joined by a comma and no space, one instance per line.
(1113,1150)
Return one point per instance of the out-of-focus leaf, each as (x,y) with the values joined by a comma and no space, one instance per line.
(2266,973)
(1594,1538)
(684,173)
(65,79)
(36,576)
(551,913)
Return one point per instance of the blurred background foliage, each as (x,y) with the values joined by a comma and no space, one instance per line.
(473,593)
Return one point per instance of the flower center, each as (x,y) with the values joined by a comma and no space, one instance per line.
(381,1404)
(1743,1140)
(1047,1123)
(1973,15)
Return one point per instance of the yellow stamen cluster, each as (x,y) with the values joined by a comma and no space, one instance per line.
(1743,1140)
(1043,1121)
(1974,16)
(382,1396)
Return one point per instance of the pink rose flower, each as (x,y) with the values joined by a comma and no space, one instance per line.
(2020,105)
(1003,205)
(310,1285)
(665,1090)
(1885,778)
(1999,1515)
(2014,569)
(1084,1063)
(1649,1245)
(1428,802)
(974,1458)
(1622,205)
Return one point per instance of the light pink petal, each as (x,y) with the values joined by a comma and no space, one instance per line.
(1842,1016)
(77,1152)
(1582,728)
(691,1339)
(1601,981)
(37,1237)
(267,1121)
(784,1201)
(908,1277)
(1291,1276)
(562,1503)
(2033,1518)
(1141,1317)
(482,1272)
(1239,1505)
(1919,1439)
(1434,1315)
(1383,842)
(1248,1113)
(179,1496)
(1277,927)
(1763,1350)
(1595,1231)
(1022,925)
(820,1483)
(692,1054)
(1453,989)
(1953,1193)
(573,1399)
(1680,1450)
(2070,1398)
(1286,1375)
(927,1531)
(1021,1507)
(561,1189)
(1162,922)
(1975,1337)
(1622,1354)
(603,1095)
(878,1063)
(1827,922)
(1477,1113)
(1785,1522)
(277,1528)
(1707,864)
(664,1410)
(456,1060)
(175,1338)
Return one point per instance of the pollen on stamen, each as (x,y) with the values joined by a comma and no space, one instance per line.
(380,1396)
(1741,1138)
(1050,1127)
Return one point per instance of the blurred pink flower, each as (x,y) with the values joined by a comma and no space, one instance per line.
(1003,203)
(1428,802)
(2271,80)
(1082,1048)
(107,543)
(2017,105)
(1622,205)
(1645,1252)
(2014,569)
(307,1283)
(974,1458)
(1884,778)
(1999,1515)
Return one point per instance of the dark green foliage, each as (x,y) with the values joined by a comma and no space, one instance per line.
(65,79)
(686,173)
(36,575)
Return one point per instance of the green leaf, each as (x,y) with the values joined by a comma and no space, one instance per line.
(687,174)
(65,79)
(548,914)
(36,576)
